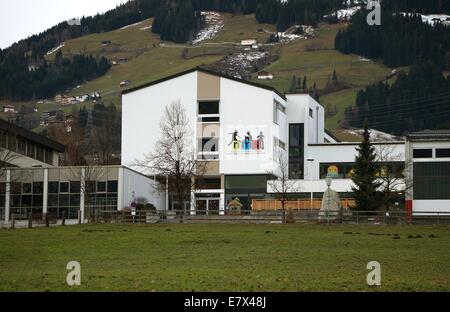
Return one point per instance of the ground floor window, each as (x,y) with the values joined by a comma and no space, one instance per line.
(431,180)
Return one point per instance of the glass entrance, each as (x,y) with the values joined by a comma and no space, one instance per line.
(207,206)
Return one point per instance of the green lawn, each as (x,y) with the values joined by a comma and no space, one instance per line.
(225,258)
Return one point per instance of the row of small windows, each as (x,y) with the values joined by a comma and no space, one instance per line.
(21,145)
(428,153)
(54,187)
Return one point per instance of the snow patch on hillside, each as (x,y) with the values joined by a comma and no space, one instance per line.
(56,49)
(345,14)
(375,135)
(131,25)
(432,19)
(213,24)
(146,27)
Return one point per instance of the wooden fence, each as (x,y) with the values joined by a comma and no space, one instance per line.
(299,204)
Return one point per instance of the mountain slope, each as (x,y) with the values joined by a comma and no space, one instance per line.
(150,59)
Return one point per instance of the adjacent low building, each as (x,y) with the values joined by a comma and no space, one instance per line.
(32,182)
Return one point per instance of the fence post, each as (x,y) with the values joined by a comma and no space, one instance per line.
(63,221)
(47,224)
(30,220)
(13,221)
(79,216)
(357,217)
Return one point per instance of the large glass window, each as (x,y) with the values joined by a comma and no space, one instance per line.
(296,151)
(208,108)
(431,180)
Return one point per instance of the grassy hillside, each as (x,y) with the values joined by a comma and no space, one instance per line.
(148,60)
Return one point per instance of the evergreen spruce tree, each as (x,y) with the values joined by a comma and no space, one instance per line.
(364,175)
(305,84)
(293,86)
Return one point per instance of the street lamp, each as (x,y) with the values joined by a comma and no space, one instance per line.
(311,160)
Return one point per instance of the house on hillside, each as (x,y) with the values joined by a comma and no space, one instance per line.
(125,83)
(263,75)
(9,109)
(248,42)
(59,98)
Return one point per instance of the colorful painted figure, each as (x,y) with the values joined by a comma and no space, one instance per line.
(260,141)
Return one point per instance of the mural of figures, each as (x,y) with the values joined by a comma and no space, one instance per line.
(247,144)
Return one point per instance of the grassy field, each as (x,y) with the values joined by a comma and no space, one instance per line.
(225,258)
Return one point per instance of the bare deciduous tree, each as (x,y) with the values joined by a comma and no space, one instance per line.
(173,155)
(87,176)
(282,186)
(391,182)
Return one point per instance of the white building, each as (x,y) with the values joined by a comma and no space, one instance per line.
(249,42)
(428,168)
(263,75)
(250,125)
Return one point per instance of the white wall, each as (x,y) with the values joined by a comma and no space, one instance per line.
(142,111)
(243,105)
(431,206)
(141,186)
(343,153)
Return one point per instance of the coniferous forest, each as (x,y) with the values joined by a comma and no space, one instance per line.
(418,99)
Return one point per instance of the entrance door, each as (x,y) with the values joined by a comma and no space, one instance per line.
(206,206)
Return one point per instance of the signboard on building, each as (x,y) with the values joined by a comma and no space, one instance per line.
(246,140)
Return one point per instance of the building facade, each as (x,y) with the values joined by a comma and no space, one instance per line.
(428,169)
(241,129)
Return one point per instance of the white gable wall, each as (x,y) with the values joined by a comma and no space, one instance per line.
(142,111)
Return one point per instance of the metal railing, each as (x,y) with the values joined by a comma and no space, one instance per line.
(297,216)
(100,216)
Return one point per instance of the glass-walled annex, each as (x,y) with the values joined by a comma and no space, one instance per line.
(59,190)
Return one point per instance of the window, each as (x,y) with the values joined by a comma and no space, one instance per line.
(112,186)
(253,182)
(277,107)
(311,113)
(64,187)
(26,188)
(431,180)
(22,146)
(208,111)
(442,152)
(75,186)
(31,152)
(12,142)
(296,151)
(275,113)
(423,153)
(38,187)
(40,153)
(53,187)
(208,108)
(101,187)
(209,145)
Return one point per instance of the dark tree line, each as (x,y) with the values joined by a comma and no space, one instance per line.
(415,101)
(398,41)
(19,83)
(422,6)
